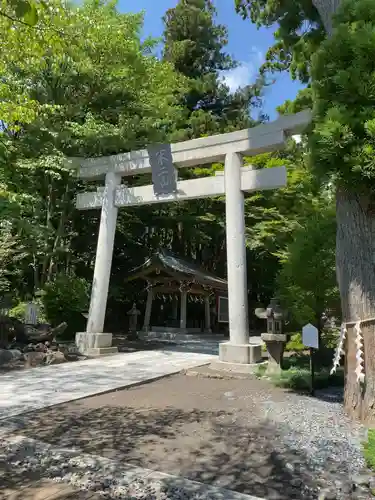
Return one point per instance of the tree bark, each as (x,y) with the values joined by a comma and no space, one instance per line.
(59,233)
(49,215)
(355,267)
(355,264)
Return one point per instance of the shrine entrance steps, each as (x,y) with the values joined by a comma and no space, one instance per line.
(200,342)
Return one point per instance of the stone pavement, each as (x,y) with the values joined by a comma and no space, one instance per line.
(27,390)
(204,344)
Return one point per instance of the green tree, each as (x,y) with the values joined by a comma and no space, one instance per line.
(272,218)
(30,30)
(338,60)
(299,32)
(108,96)
(342,147)
(307,281)
(195,44)
(21,11)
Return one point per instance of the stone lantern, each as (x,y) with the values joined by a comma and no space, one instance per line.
(133,314)
(274,338)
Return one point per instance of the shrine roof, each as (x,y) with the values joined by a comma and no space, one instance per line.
(180,268)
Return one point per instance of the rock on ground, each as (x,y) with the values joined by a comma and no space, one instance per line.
(9,355)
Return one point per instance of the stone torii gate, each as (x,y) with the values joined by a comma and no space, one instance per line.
(228,148)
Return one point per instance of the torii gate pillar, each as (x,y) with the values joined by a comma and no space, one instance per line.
(237,350)
(94,342)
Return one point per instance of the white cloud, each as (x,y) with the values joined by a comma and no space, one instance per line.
(239,77)
(245,72)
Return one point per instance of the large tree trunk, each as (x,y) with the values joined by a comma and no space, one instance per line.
(355,253)
(355,265)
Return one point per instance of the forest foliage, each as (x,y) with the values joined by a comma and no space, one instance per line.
(82,81)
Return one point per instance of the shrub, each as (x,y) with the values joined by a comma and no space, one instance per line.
(328,339)
(260,371)
(65,299)
(295,343)
(19,311)
(369,449)
(299,379)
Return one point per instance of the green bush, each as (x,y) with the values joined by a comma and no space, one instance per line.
(19,311)
(330,337)
(369,449)
(299,379)
(295,343)
(260,370)
(65,299)
(328,340)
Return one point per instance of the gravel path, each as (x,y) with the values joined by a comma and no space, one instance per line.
(24,457)
(242,435)
(318,428)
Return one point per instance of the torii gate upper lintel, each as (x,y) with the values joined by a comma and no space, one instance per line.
(228,148)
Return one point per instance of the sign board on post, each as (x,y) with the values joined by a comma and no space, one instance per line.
(164,176)
(310,336)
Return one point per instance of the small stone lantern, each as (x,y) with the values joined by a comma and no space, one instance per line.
(133,314)
(274,338)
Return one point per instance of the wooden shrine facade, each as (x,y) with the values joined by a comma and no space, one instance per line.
(166,273)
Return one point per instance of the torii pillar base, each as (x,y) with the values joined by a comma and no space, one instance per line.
(242,354)
(238,359)
(95,344)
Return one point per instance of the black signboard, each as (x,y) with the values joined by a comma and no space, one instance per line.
(164,176)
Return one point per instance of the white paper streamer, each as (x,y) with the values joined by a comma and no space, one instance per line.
(360,370)
(339,349)
(359,355)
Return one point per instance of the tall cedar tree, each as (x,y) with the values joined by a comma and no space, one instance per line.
(342,35)
(194,43)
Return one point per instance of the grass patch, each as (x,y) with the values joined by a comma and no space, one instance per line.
(260,370)
(369,449)
(299,379)
(296,373)
(296,366)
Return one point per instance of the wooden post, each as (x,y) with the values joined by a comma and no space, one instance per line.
(150,298)
(207,314)
(183,309)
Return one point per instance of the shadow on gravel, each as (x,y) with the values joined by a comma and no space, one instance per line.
(125,344)
(330,395)
(206,446)
(199,346)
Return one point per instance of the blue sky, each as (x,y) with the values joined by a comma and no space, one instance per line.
(247,44)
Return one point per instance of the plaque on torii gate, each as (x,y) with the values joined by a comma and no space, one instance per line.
(164,174)
(237,180)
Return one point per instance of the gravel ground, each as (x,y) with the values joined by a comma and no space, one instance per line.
(239,434)
(23,458)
